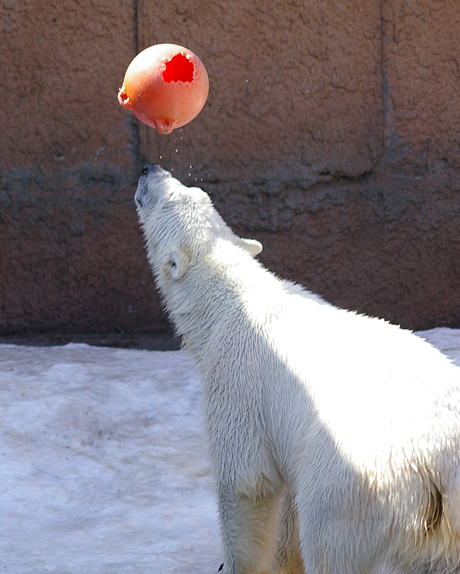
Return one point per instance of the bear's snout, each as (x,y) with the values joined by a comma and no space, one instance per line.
(151,174)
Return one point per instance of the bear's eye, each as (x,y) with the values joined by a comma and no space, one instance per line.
(145,170)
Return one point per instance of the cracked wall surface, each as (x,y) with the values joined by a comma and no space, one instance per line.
(331,133)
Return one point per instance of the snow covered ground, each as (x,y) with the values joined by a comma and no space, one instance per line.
(103,464)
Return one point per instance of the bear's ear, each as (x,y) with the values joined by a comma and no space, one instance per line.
(252,245)
(177,264)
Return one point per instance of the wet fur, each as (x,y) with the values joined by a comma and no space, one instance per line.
(334,436)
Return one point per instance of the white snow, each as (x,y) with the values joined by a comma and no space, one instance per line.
(103,462)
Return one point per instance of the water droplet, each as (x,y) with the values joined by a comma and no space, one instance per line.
(177,150)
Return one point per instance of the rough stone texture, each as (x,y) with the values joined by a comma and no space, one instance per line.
(71,255)
(63,64)
(295,89)
(331,133)
(393,255)
(421,79)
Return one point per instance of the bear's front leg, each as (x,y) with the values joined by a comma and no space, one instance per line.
(249,528)
(288,556)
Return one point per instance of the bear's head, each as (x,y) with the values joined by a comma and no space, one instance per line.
(180,223)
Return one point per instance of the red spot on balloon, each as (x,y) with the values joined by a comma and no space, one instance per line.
(179,69)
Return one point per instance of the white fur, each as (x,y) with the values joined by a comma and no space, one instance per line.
(352,422)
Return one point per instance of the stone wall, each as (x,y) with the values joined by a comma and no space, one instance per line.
(71,255)
(331,133)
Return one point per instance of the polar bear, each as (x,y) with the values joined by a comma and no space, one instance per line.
(335,437)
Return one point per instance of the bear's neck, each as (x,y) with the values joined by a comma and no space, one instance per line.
(210,303)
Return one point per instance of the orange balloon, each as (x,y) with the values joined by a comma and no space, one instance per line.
(165,87)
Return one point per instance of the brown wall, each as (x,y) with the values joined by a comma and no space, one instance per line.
(331,133)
